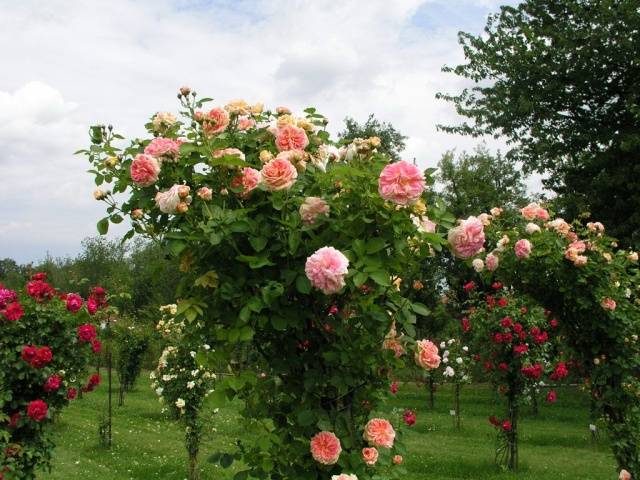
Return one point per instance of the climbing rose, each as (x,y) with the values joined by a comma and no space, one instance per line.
(522,248)
(608,303)
(96,346)
(37,410)
(506,426)
(248,180)
(235,152)
(397,459)
(215,121)
(401,183)
(533,211)
(37,357)
(325,448)
(144,170)
(52,383)
(164,149)
(72,393)
(467,239)
(312,208)
(552,396)
(13,312)
(86,332)
(409,417)
(326,269)
(290,137)
(278,174)
(74,302)
(427,354)
(379,432)
(168,200)
(370,455)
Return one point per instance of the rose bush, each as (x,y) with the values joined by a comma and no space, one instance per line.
(48,339)
(593,287)
(291,244)
(456,369)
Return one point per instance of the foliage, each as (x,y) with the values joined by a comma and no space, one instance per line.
(392,142)
(131,343)
(479,181)
(47,339)
(577,272)
(243,246)
(560,81)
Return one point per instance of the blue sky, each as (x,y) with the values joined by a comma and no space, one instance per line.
(72,63)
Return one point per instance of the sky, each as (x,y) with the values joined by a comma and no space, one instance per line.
(68,64)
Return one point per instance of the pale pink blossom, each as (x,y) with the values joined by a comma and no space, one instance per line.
(496,211)
(325,448)
(249,179)
(344,476)
(401,183)
(397,459)
(164,149)
(278,174)
(580,261)
(290,137)
(492,261)
(632,256)
(532,228)
(145,170)
(205,193)
(379,432)
(326,269)
(485,218)
(534,211)
(467,239)
(168,200)
(522,248)
(426,354)
(477,264)
(370,455)
(312,208)
(608,303)
(235,152)
(624,475)
(423,224)
(245,123)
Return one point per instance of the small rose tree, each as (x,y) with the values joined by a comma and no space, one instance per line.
(456,369)
(291,245)
(48,339)
(576,271)
(516,341)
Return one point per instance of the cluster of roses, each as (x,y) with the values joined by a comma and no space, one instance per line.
(10,307)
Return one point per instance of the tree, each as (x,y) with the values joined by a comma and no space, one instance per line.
(392,141)
(561,80)
(477,182)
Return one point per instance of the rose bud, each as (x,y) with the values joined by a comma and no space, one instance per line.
(99,194)
(182,207)
(183,191)
(185,91)
(137,213)
(205,193)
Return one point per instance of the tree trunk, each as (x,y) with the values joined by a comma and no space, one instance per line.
(431,386)
(456,406)
(512,436)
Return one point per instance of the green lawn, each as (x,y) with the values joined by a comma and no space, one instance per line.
(555,445)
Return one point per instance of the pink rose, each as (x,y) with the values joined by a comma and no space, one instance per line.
(624,475)
(228,151)
(249,180)
(522,248)
(278,174)
(427,355)
(534,211)
(423,224)
(312,208)
(245,123)
(290,137)
(379,432)
(326,269)
(467,239)
(215,121)
(608,303)
(397,459)
(205,193)
(401,183)
(344,476)
(168,200)
(163,149)
(370,455)
(492,261)
(325,448)
(144,170)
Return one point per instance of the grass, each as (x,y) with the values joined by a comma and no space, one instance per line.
(555,445)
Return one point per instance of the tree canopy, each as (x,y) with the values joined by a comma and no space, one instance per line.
(392,141)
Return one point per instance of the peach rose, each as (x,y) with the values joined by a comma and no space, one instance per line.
(397,459)
(580,261)
(522,248)
(370,455)
(245,123)
(608,303)
(532,228)
(496,211)
(228,151)
(291,137)
(216,121)
(278,174)
(205,193)
(312,208)
(144,170)
(325,448)
(467,239)
(401,183)
(624,475)
(427,355)
(248,179)
(485,218)
(379,432)
(164,149)
(344,476)
(534,211)
(162,120)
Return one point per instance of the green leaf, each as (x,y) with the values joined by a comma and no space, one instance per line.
(420,309)
(295,236)
(255,262)
(303,285)
(374,245)
(381,278)
(176,246)
(103,226)
(279,323)
(306,418)
(208,280)
(258,243)
(115,218)
(359,278)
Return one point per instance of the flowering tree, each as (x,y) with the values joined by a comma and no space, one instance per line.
(517,345)
(291,244)
(577,272)
(47,340)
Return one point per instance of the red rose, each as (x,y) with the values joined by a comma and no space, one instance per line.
(40,290)
(552,396)
(92,306)
(42,357)
(14,419)
(96,346)
(466,324)
(535,331)
(488,366)
(52,384)
(409,417)
(394,388)
(561,371)
(507,337)
(74,302)
(553,323)
(333,310)
(37,410)
(94,381)
(39,276)
(506,426)
(503,366)
(502,302)
(517,328)
(86,332)
(534,371)
(497,337)
(506,322)
(521,349)
(524,310)
(29,353)
(72,393)
(493,420)
(491,301)
(542,338)
(469,286)
(496,285)
(13,312)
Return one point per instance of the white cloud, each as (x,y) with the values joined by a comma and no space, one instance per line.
(71,64)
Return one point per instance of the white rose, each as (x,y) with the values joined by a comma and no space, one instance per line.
(159,391)
(449,372)
(191,384)
(532,228)
(180,403)
(478,264)
(459,361)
